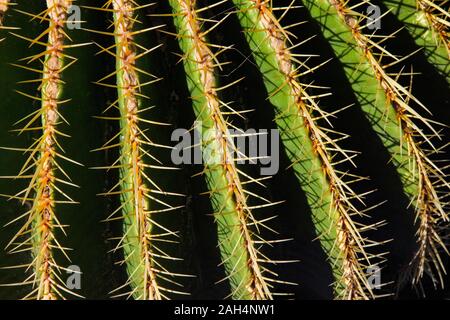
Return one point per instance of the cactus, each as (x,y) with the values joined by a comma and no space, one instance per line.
(141,241)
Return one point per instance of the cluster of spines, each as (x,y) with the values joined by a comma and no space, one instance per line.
(42,166)
(438,19)
(238,229)
(425,183)
(139,193)
(428,23)
(433,15)
(339,234)
(4,5)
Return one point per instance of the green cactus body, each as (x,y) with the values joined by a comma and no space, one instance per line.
(425,21)
(232,214)
(305,143)
(385,103)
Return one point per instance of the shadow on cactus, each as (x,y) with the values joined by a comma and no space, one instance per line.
(241,149)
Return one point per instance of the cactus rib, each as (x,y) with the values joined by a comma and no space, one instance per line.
(238,243)
(42,164)
(314,160)
(127,84)
(138,192)
(421,177)
(428,23)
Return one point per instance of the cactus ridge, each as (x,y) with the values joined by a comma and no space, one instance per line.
(141,197)
(42,168)
(428,23)
(238,228)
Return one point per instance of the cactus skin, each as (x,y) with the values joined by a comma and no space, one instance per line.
(394,120)
(232,214)
(425,21)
